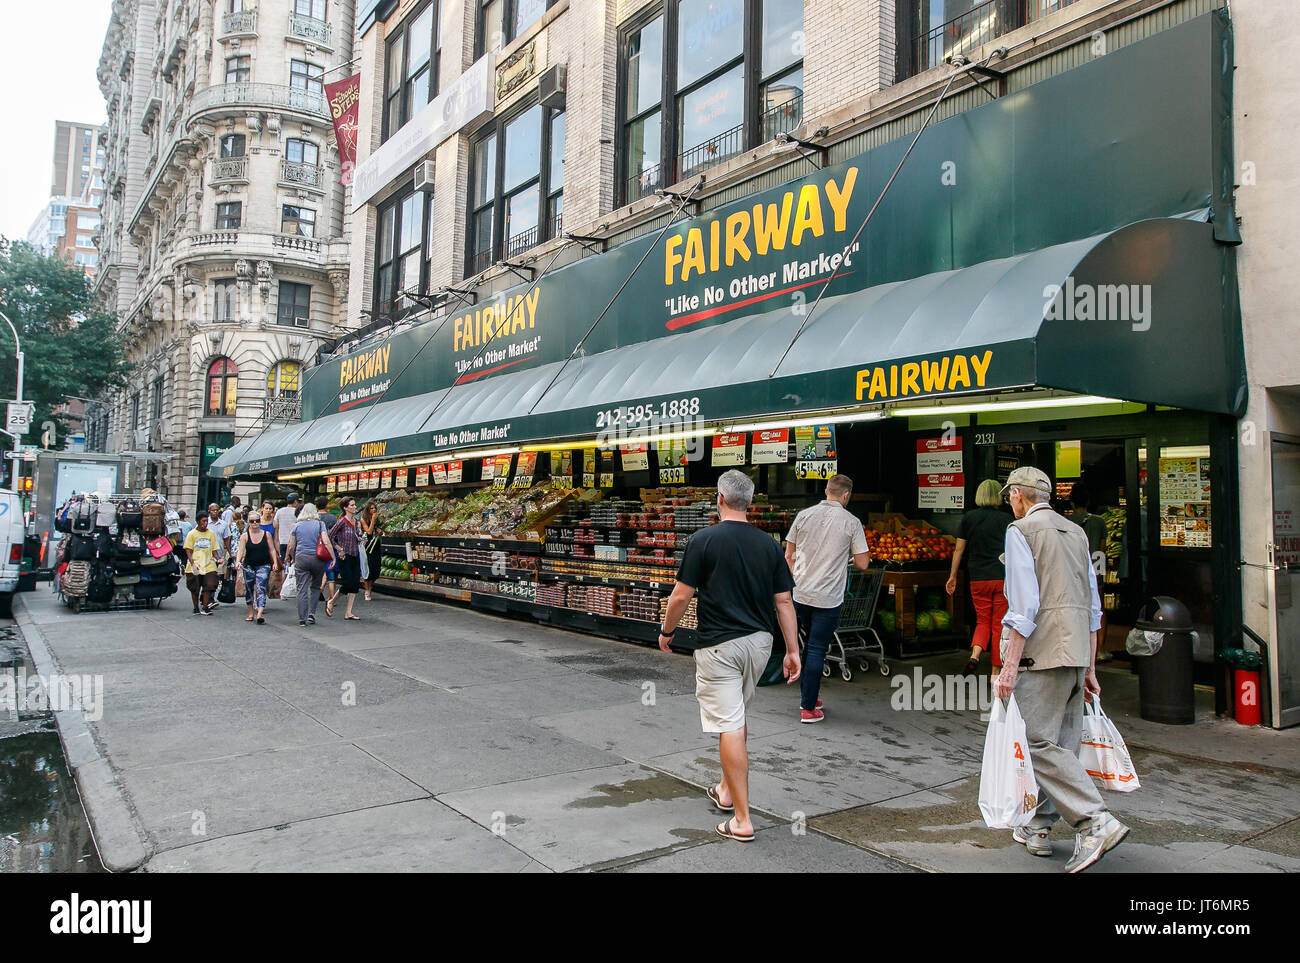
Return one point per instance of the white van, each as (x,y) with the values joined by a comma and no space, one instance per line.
(12,532)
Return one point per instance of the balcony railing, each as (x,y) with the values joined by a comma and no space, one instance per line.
(521,242)
(241,23)
(244,95)
(312,30)
(644,184)
(711,153)
(782,118)
(977,26)
(230,169)
(298,174)
(480,261)
(295,242)
(215,239)
(285,409)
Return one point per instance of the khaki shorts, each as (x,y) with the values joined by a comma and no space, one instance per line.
(726,676)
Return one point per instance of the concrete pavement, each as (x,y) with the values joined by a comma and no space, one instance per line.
(429,737)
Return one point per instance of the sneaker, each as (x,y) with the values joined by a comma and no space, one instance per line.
(311,620)
(1105,834)
(819,703)
(807,717)
(302,622)
(1034,840)
(196,610)
(207,611)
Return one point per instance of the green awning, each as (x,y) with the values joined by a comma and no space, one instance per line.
(1146,313)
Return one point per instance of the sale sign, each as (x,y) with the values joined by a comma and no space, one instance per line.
(729,449)
(941,490)
(942,454)
(771,447)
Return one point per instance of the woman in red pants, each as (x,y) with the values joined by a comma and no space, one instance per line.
(982,537)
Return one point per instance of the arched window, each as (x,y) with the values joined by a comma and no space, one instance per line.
(223,387)
(283,380)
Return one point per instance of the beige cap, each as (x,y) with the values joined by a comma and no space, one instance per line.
(1029,478)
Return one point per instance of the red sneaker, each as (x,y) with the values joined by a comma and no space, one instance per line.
(819,703)
(807,717)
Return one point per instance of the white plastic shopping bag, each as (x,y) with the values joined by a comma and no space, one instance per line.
(289,590)
(1103,752)
(1008,791)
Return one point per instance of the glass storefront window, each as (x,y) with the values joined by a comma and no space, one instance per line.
(709,34)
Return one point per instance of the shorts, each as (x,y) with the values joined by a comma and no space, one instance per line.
(207,581)
(726,676)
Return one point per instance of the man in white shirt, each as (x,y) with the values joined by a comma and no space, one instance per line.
(218,525)
(228,516)
(1053,613)
(820,543)
(284,522)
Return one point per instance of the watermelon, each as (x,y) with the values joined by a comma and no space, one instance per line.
(941,619)
(924,622)
(889,620)
(931,599)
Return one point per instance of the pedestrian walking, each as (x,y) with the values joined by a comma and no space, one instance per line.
(187,526)
(230,511)
(308,533)
(372,552)
(744,587)
(818,548)
(1053,612)
(329,581)
(980,539)
(1094,526)
(257,559)
(345,536)
(285,519)
(221,529)
(202,551)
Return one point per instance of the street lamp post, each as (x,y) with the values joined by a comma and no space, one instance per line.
(18,353)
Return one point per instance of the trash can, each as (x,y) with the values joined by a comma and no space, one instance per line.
(1165,689)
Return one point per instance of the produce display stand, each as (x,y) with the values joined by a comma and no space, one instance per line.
(902,582)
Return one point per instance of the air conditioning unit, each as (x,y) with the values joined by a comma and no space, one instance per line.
(551,86)
(424,176)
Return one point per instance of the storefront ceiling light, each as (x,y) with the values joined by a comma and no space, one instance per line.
(563,445)
(1027,404)
(460,455)
(805,422)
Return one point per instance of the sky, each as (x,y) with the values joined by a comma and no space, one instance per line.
(49,52)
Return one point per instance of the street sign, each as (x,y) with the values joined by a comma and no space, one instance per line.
(19,415)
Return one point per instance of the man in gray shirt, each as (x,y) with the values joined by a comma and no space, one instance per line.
(820,542)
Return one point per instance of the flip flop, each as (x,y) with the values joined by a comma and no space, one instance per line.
(351,618)
(724,830)
(712,793)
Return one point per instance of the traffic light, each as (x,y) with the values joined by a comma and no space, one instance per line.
(25,484)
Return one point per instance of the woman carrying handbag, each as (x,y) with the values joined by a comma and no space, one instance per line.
(309,550)
(345,536)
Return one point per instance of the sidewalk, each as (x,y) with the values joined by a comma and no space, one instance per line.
(429,737)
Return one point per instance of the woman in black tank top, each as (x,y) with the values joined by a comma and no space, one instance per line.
(258,557)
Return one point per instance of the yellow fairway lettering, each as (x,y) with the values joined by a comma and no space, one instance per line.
(808,215)
(838,197)
(910,372)
(960,373)
(770,230)
(737,228)
(981,366)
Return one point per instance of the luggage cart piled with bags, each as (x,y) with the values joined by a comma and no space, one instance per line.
(855,637)
(118,551)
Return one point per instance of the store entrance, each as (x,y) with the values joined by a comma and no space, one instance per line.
(1095,479)
(1286,575)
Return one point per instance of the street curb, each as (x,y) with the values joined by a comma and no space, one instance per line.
(120,843)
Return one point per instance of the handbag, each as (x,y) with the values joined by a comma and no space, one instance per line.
(322,550)
(226,593)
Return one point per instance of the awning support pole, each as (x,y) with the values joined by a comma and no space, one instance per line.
(999,53)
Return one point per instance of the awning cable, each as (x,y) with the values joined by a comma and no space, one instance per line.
(491,337)
(999,53)
(682,201)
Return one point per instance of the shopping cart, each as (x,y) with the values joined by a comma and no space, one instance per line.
(854,636)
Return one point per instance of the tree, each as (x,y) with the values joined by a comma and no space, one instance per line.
(71,347)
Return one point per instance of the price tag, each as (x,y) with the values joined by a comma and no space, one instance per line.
(522,481)
(815,469)
(588,480)
(499,482)
(607,479)
(673,476)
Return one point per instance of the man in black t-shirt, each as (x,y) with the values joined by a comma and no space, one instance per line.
(745,593)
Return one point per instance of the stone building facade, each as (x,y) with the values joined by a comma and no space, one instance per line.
(224,246)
